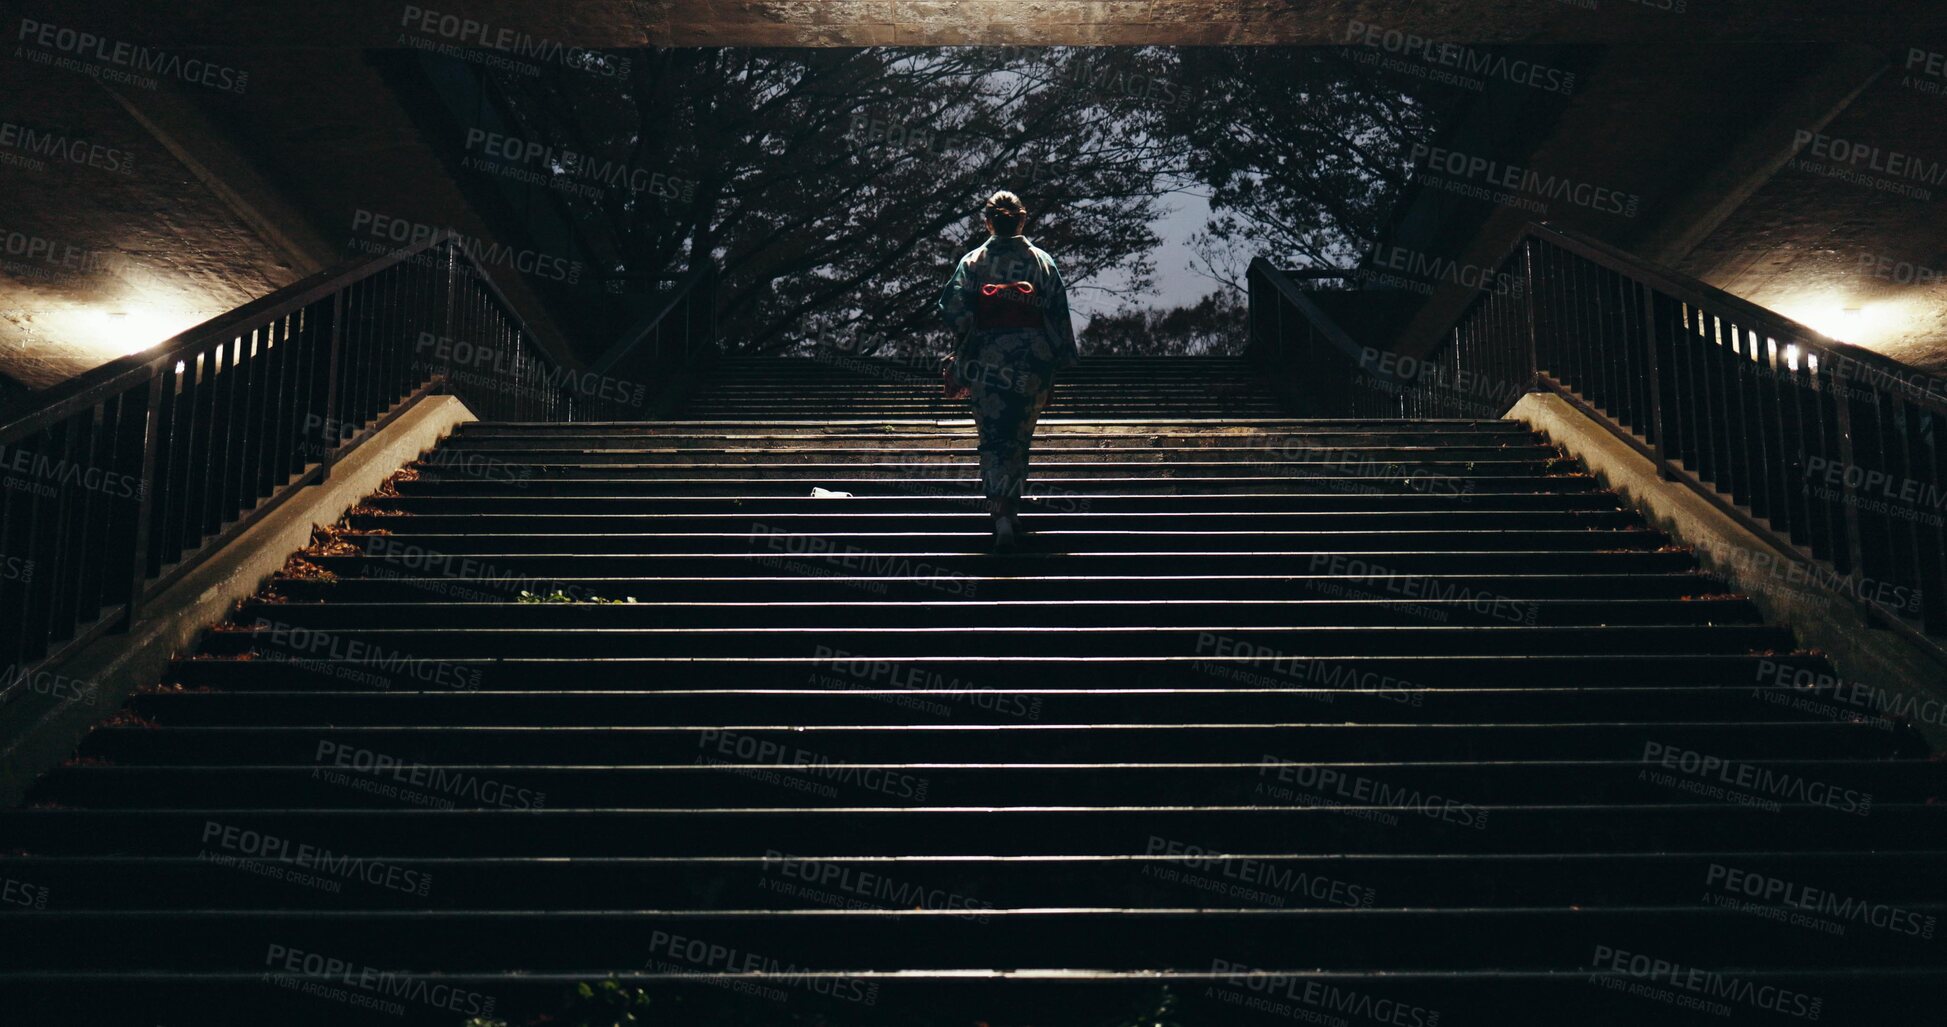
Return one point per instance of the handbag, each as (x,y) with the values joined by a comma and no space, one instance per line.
(951,385)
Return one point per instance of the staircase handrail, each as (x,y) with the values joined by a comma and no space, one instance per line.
(692,301)
(1307,352)
(1786,430)
(126,477)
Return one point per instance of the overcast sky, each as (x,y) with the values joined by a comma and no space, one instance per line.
(1176,284)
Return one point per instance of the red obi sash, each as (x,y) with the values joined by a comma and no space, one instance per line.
(1007,305)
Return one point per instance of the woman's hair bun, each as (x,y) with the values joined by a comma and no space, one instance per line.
(1007,205)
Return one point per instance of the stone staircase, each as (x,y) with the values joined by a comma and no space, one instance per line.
(1277,721)
(844,388)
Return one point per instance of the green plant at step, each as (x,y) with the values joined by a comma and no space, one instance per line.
(558,596)
(608,1004)
(1160,1011)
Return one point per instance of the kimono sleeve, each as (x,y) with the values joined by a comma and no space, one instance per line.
(955,306)
(1061,326)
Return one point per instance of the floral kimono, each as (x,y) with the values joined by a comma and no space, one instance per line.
(1007,305)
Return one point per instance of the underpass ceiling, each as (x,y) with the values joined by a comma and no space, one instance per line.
(363,24)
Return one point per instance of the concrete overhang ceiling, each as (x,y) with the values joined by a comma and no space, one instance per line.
(601,24)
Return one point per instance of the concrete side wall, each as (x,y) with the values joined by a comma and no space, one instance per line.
(40,728)
(1823,618)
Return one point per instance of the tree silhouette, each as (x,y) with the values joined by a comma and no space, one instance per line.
(1311,153)
(1213,325)
(836,187)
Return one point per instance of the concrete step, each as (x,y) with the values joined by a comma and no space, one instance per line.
(1676,827)
(254,874)
(335,778)
(1269,715)
(1721,741)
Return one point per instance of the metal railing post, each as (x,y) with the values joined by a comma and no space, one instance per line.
(333,429)
(145,507)
(1528,305)
(1653,367)
(1848,500)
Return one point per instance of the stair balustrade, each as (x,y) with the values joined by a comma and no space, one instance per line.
(1828,450)
(122,480)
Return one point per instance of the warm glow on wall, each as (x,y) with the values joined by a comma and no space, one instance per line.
(1861,322)
(116,329)
(131,329)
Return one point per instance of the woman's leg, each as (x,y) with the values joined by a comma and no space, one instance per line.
(1024,441)
(1011,474)
(1003,459)
(1007,402)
